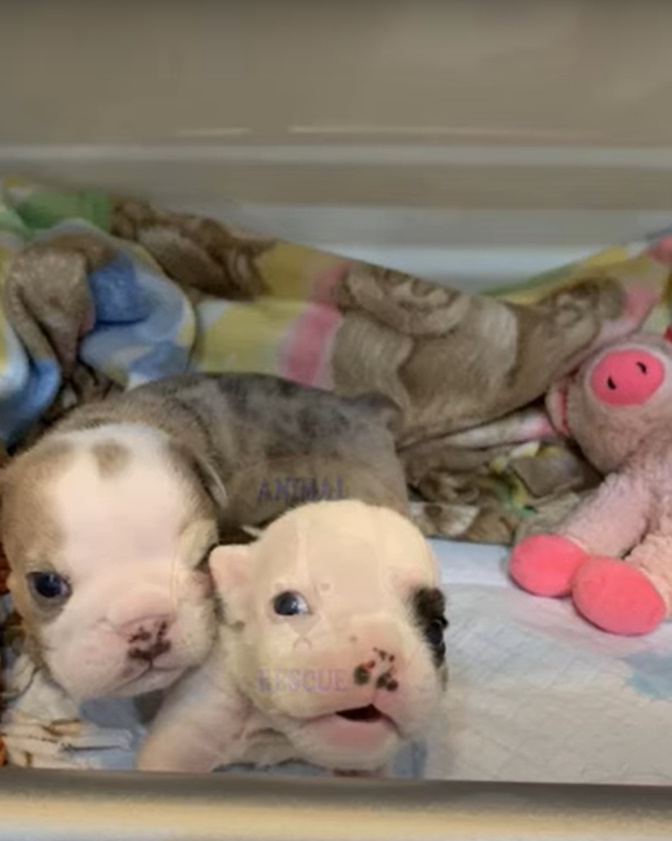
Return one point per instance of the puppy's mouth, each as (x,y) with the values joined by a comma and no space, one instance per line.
(363,718)
(368,715)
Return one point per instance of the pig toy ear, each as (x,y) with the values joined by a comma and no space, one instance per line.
(668,334)
(556,406)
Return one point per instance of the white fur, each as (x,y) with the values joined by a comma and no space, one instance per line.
(130,561)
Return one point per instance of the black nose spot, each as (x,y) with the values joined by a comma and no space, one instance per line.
(148,655)
(386,681)
(141,635)
(611,384)
(361,675)
(642,367)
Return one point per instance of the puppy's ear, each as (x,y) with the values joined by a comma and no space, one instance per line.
(380,408)
(211,483)
(204,474)
(231,568)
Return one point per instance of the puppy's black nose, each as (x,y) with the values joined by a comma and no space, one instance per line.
(148,642)
(381,670)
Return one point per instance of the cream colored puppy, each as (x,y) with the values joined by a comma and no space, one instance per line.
(107,522)
(331,648)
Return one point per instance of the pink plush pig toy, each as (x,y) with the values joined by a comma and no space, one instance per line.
(613,554)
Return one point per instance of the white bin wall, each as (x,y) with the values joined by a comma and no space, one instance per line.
(428,118)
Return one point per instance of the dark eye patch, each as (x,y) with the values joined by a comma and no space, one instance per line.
(429,607)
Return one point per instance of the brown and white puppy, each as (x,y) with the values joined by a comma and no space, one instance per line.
(108,520)
(331,648)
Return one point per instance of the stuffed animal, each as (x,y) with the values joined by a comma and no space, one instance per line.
(331,648)
(613,554)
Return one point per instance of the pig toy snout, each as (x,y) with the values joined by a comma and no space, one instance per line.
(627,377)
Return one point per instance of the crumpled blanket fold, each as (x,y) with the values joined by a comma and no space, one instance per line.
(102,293)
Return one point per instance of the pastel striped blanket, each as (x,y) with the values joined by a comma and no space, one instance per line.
(102,293)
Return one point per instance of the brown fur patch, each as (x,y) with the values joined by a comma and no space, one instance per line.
(29,534)
(111,457)
(22,490)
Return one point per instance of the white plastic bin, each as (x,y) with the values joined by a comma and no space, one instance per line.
(466,142)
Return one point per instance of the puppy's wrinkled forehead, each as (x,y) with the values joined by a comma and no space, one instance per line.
(347,547)
(105,488)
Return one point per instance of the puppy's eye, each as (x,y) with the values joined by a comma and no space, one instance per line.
(434,634)
(290,603)
(48,586)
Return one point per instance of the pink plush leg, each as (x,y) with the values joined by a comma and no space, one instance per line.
(545,564)
(618,597)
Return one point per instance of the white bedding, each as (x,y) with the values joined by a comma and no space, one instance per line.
(538,695)
(534,695)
